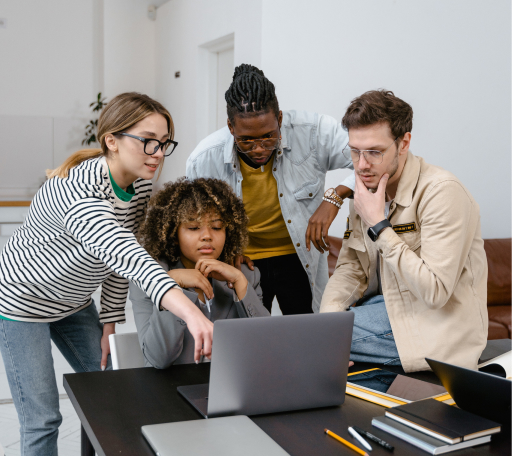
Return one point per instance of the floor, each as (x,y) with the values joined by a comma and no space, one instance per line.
(69,431)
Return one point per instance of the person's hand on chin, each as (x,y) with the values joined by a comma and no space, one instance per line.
(223,272)
(370,206)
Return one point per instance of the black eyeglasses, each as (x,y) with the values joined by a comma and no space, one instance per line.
(151,145)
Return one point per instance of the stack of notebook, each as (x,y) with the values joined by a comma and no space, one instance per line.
(435,427)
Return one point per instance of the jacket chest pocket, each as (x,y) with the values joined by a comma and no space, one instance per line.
(308,195)
(410,233)
(356,243)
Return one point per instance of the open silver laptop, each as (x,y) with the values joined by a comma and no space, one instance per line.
(275,364)
(228,436)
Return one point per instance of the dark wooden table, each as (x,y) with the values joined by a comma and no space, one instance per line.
(113,406)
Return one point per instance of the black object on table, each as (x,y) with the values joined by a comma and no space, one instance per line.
(112,407)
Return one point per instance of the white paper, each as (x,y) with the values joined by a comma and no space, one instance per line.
(504,360)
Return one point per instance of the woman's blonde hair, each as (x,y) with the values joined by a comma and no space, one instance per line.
(120,114)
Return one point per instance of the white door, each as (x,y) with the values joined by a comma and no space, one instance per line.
(225,68)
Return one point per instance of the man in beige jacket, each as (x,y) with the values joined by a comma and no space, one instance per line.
(412,267)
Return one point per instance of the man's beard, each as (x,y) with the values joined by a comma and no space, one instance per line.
(393,168)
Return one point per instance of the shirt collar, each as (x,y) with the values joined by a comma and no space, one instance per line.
(229,150)
(408,181)
(284,138)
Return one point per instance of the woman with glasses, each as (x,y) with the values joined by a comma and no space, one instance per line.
(79,234)
(277,162)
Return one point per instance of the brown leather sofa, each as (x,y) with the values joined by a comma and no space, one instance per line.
(498,283)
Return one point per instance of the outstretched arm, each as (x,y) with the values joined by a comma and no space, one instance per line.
(161,333)
(93,222)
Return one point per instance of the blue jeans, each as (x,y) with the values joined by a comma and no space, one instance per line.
(27,356)
(372,338)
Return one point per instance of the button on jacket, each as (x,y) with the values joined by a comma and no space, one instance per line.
(311,145)
(433,269)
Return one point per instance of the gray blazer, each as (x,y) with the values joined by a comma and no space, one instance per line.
(165,338)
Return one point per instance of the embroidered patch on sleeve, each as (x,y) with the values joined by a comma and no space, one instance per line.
(347,234)
(405,227)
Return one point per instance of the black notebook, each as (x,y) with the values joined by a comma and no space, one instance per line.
(444,422)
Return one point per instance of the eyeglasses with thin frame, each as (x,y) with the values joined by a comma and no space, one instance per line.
(248,145)
(151,145)
(374,157)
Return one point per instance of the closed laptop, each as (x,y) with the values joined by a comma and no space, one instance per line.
(230,436)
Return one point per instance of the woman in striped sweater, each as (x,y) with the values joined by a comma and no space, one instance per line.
(79,234)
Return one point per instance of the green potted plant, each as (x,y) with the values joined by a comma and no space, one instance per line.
(90,128)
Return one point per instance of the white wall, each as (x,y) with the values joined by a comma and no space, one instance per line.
(184,27)
(46,56)
(47,80)
(55,56)
(129,48)
(449,60)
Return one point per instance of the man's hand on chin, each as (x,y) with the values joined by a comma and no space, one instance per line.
(370,206)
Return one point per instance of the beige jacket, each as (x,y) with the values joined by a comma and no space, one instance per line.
(433,269)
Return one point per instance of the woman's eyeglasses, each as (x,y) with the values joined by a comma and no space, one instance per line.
(151,145)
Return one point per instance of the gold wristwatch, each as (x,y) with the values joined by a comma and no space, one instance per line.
(332,197)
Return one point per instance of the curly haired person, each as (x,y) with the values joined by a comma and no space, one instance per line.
(195,229)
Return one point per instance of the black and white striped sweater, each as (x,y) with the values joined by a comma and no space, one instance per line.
(78,235)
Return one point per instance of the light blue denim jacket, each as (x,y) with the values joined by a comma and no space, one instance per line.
(311,145)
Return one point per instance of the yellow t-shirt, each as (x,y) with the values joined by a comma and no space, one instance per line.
(268,235)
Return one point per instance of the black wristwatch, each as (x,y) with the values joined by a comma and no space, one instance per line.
(374,231)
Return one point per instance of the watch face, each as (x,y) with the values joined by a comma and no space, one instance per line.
(371,234)
(329,192)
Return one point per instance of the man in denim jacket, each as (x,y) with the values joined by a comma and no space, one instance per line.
(277,161)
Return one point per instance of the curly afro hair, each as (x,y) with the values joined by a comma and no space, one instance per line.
(184,200)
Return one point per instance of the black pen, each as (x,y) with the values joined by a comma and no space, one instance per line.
(374,438)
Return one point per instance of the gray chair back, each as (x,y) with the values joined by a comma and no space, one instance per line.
(125,351)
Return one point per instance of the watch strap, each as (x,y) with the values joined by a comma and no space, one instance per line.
(330,193)
(374,231)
